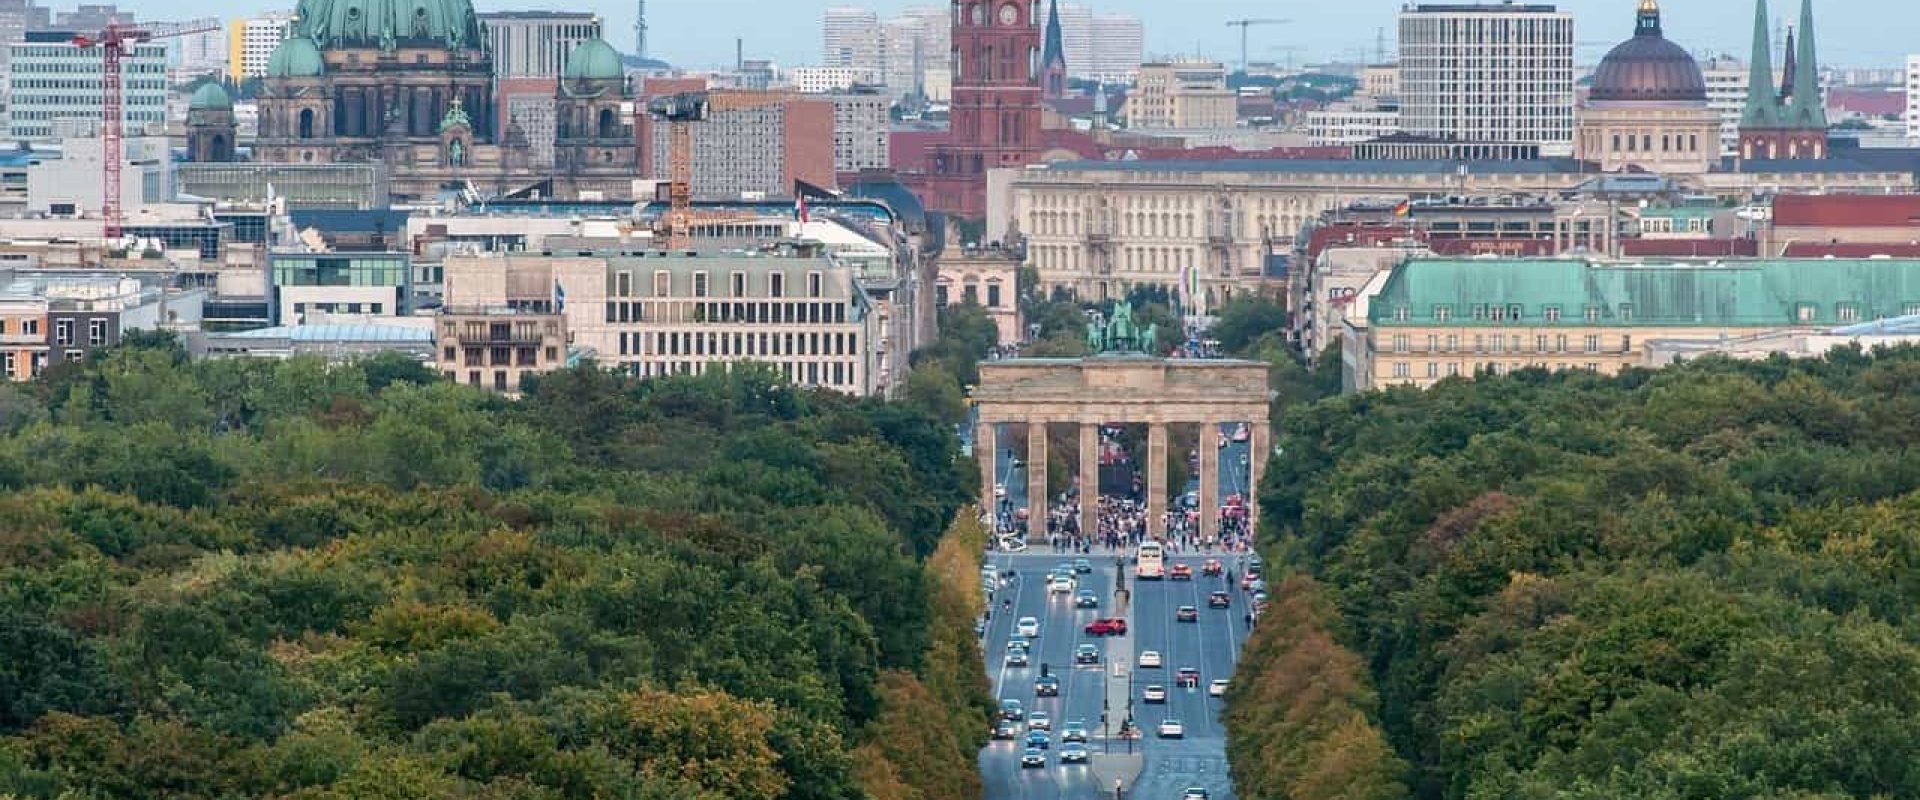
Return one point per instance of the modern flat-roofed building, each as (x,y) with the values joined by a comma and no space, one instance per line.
(654,314)
(1495,73)
(49,79)
(1181,95)
(252,40)
(758,146)
(860,132)
(1432,319)
(371,284)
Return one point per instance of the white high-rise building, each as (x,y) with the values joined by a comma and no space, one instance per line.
(1119,44)
(1076,39)
(49,80)
(1727,95)
(1913,97)
(851,37)
(192,54)
(252,42)
(1497,73)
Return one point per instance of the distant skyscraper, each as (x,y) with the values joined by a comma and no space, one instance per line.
(1727,96)
(1913,97)
(1119,44)
(92,17)
(1496,73)
(850,37)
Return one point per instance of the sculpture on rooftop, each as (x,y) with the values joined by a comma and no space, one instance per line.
(1121,334)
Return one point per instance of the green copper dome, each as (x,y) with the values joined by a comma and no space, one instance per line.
(210,96)
(390,24)
(297,57)
(594,60)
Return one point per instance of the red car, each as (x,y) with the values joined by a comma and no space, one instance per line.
(1187,677)
(1180,572)
(1212,567)
(1107,627)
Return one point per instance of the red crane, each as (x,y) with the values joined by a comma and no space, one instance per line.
(113,43)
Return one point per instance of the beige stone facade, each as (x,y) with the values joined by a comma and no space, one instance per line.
(495,347)
(988,278)
(1676,138)
(1423,356)
(1182,96)
(1103,390)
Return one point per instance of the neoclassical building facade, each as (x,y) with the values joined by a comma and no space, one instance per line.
(1647,108)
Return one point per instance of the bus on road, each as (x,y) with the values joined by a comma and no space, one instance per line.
(1151,563)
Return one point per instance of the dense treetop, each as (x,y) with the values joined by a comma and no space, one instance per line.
(309,580)
(1699,582)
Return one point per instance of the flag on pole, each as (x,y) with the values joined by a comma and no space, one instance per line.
(800,207)
(1404,208)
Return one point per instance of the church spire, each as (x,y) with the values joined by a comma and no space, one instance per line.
(1808,109)
(1759,111)
(1054,49)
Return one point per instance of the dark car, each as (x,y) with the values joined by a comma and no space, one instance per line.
(1085,654)
(1011,710)
(1107,627)
(1219,600)
(1046,686)
(1086,599)
(1038,739)
(1032,758)
(1005,730)
(1186,614)
(1082,566)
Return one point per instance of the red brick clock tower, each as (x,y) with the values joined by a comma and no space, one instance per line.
(995,119)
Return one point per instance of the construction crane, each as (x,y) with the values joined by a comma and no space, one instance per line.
(680,111)
(113,43)
(1243,25)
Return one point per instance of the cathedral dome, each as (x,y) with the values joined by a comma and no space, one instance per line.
(390,24)
(297,57)
(594,60)
(1648,68)
(210,97)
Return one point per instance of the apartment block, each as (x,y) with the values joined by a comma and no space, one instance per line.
(1488,73)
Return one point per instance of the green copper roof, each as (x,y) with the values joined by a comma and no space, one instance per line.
(594,60)
(210,95)
(297,57)
(1809,109)
(389,24)
(1751,293)
(1760,109)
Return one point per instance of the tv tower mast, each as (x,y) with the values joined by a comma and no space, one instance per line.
(640,29)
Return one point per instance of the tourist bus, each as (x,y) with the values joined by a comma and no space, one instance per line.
(1151,563)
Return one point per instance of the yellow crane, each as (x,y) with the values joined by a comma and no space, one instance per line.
(1243,25)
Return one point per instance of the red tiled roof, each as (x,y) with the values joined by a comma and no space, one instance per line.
(1851,250)
(1868,102)
(1688,248)
(1847,211)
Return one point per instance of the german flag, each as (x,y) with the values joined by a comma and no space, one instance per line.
(1404,208)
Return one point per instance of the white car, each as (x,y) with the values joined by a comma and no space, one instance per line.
(1153,694)
(1149,659)
(1061,585)
(1217,687)
(999,490)
(1039,721)
(1028,627)
(1172,729)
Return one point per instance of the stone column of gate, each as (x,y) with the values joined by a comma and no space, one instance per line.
(1156,480)
(986,449)
(1089,479)
(1209,447)
(1258,451)
(1037,500)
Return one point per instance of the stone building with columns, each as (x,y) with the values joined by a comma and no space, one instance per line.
(1120,390)
(1648,108)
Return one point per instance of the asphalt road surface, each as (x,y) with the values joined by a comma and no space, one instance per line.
(1210,645)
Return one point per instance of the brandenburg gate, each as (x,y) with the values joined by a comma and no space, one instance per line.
(1121,389)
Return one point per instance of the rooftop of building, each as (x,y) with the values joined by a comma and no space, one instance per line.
(1740,293)
(1847,211)
(1480,8)
(338,333)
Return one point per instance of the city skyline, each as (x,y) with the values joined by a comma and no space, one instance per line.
(1858,33)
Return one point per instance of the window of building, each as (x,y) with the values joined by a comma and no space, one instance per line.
(1626,312)
(1442,313)
(1479,312)
(776,284)
(63,332)
(1848,312)
(813,284)
(1433,369)
(700,284)
(1400,369)
(1400,344)
(1496,313)
(1593,313)
(1560,343)
(1453,370)
(1402,314)
(662,283)
(1806,312)
(1593,344)
(1626,344)
(1516,312)
(1552,313)
(31,327)
(1453,342)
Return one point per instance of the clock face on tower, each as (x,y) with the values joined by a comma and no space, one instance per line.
(1009,15)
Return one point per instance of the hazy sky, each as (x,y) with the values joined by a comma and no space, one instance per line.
(701,32)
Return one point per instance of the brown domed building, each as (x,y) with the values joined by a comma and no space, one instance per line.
(1647,109)
(410,84)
